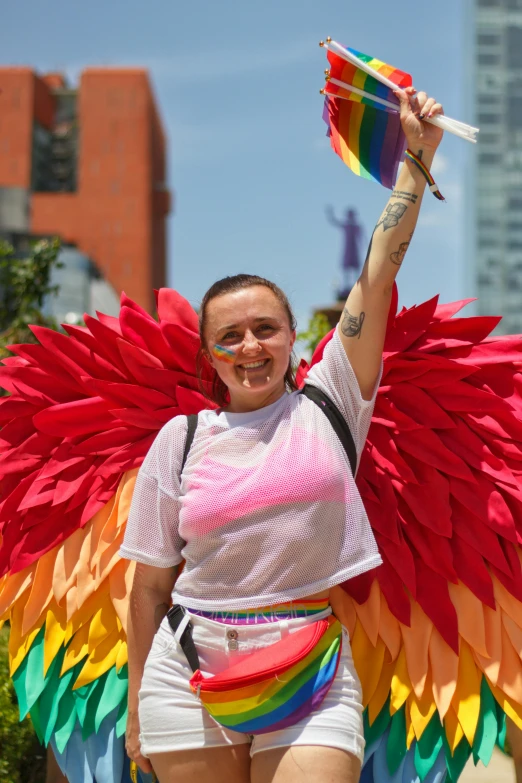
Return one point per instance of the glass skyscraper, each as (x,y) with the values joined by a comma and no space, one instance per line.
(495,195)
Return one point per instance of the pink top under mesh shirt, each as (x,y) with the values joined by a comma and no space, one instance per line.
(267,509)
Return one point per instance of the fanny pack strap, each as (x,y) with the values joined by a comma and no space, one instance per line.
(181,626)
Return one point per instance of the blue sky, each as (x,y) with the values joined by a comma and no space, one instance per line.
(238,90)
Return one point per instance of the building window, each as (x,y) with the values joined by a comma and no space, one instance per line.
(55,153)
(41,158)
(514,47)
(484,280)
(488,59)
(488,119)
(491,99)
(514,112)
(488,39)
(489,138)
(490,158)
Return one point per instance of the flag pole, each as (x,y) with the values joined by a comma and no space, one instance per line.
(466,132)
(358,91)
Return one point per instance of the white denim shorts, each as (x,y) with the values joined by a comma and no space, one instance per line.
(172,718)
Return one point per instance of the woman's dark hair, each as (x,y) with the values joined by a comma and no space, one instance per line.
(217,391)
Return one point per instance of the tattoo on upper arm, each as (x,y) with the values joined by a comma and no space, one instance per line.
(392,215)
(398,257)
(351,325)
(405,195)
(159,613)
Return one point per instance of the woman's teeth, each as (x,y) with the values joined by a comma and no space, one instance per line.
(253,365)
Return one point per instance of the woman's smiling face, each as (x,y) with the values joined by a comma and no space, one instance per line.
(249,342)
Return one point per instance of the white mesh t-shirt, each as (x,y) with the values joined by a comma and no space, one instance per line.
(267,509)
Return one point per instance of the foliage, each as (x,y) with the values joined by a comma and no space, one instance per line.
(22,758)
(318,327)
(24,285)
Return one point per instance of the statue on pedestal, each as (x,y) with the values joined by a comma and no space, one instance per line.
(351,258)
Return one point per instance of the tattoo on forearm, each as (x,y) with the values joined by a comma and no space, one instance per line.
(419,154)
(412,197)
(393,214)
(398,257)
(351,325)
(159,613)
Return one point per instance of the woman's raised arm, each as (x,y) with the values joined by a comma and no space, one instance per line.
(363,323)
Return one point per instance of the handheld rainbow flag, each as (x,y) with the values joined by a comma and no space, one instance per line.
(362,113)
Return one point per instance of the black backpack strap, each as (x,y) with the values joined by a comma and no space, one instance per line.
(192,423)
(175,616)
(336,419)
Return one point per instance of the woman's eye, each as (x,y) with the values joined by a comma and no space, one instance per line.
(266,328)
(229,335)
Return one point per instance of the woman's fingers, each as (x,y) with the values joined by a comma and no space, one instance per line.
(141,762)
(144,764)
(426,109)
(418,102)
(406,100)
(436,109)
(134,753)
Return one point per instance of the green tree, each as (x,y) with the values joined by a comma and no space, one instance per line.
(22,758)
(24,285)
(318,327)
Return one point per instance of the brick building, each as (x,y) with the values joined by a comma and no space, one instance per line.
(88,164)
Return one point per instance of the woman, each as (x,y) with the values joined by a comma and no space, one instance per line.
(265,513)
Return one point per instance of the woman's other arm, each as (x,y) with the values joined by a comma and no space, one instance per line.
(149,603)
(362,327)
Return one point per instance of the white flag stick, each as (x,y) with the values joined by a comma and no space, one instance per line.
(452,126)
(362,93)
(456,127)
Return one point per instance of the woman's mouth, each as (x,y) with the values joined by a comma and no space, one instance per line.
(254,365)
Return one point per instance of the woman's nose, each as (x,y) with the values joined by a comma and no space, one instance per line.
(250,342)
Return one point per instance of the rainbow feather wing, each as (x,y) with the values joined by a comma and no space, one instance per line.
(437,629)
(366,135)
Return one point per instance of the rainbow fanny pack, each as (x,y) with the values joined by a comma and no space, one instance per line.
(272,688)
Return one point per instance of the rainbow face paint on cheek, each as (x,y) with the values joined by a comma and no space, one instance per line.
(223,354)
